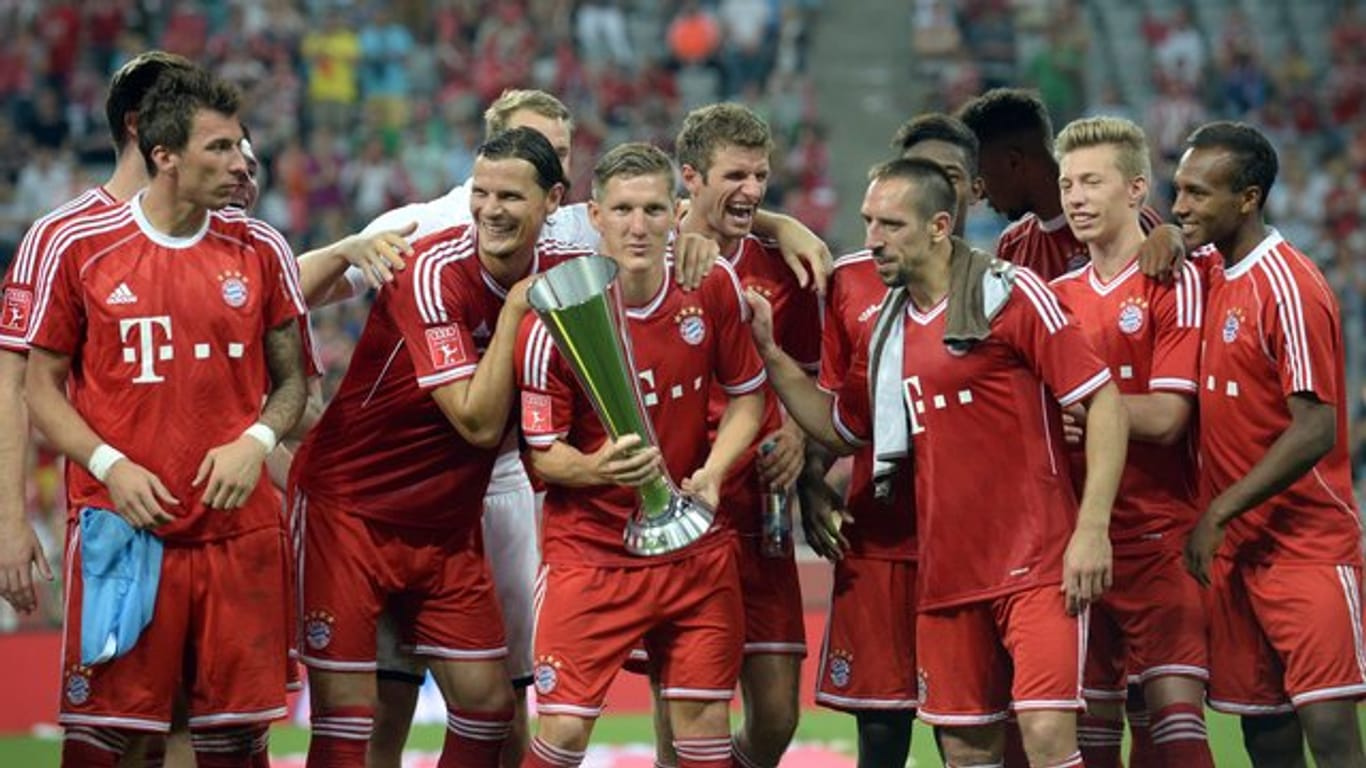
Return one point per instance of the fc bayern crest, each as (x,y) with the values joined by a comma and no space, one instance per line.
(1233,321)
(318,630)
(78,686)
(693,330)
(546,677)
(233,289)
(841,668)
(691,326)
(1131,318)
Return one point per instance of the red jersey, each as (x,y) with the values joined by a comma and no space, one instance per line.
(685,345)
(852,298)
(384,449)
(1274,330)
(994,501)
(1049,247)
(1149,334)
(166,335)
(797,329)
(21,280)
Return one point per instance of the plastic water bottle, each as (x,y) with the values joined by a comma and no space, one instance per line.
(776,527)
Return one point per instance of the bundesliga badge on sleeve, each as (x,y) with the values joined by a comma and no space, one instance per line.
(580,305)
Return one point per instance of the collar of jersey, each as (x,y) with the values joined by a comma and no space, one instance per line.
(159,237)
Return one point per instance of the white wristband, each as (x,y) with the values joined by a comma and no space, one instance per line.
(103,459)
(263,434)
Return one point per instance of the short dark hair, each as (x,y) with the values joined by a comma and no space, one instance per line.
(933,183)
(631,160)
(529,145)
(1254,159)
(130,83)
(707,130)
(937,126)
(166,114)
(1008,113)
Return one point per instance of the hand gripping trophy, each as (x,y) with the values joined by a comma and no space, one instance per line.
(579,303)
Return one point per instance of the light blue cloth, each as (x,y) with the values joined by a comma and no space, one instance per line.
(120,572)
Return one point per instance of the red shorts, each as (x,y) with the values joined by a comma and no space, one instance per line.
(588,618)
(1150,624)
(219,604)
(1021,651)
(773,601)
(1284,635)
(436,586)
(868,657)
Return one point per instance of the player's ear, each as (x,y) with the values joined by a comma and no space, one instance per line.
(553,197)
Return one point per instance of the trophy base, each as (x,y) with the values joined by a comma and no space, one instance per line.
(682,523)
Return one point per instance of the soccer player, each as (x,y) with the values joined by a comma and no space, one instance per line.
(1020,176)
(724,153)
(1001,609)
(868,658)
(510,526)
(427,394)
(167,316)
(20,552)
(1279,542)
(596,601)
(1152,622)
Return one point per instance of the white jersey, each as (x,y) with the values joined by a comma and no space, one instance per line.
(568,224)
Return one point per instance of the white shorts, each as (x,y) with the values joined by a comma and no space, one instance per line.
(512,546)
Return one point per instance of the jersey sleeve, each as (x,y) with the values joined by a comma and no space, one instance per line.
(851,410)
(1050,341)
(739,370)
(59,318)
(429,311)
(288,301)
(1178,312)
(17,291)
(1303,331)
(547,390)
(835,343)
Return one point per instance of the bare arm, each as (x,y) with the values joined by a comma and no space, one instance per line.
(138,495)
(739,426)
(288,384)
(801,248)
(619,462)
(1311,435)
(478,407)
(1087,563)
(322,271)
(1158,417)
(806,403)
(20,551)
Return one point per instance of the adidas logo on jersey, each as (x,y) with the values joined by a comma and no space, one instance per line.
(122,295)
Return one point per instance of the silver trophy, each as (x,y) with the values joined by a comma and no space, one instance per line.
(579,303)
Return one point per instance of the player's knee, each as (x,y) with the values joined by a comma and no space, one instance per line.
(978,745)
(696,719)
(1273,739)
(772,729)
(340,689)
(564,732)
(1048,736)
(1332,731)
(884,737)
